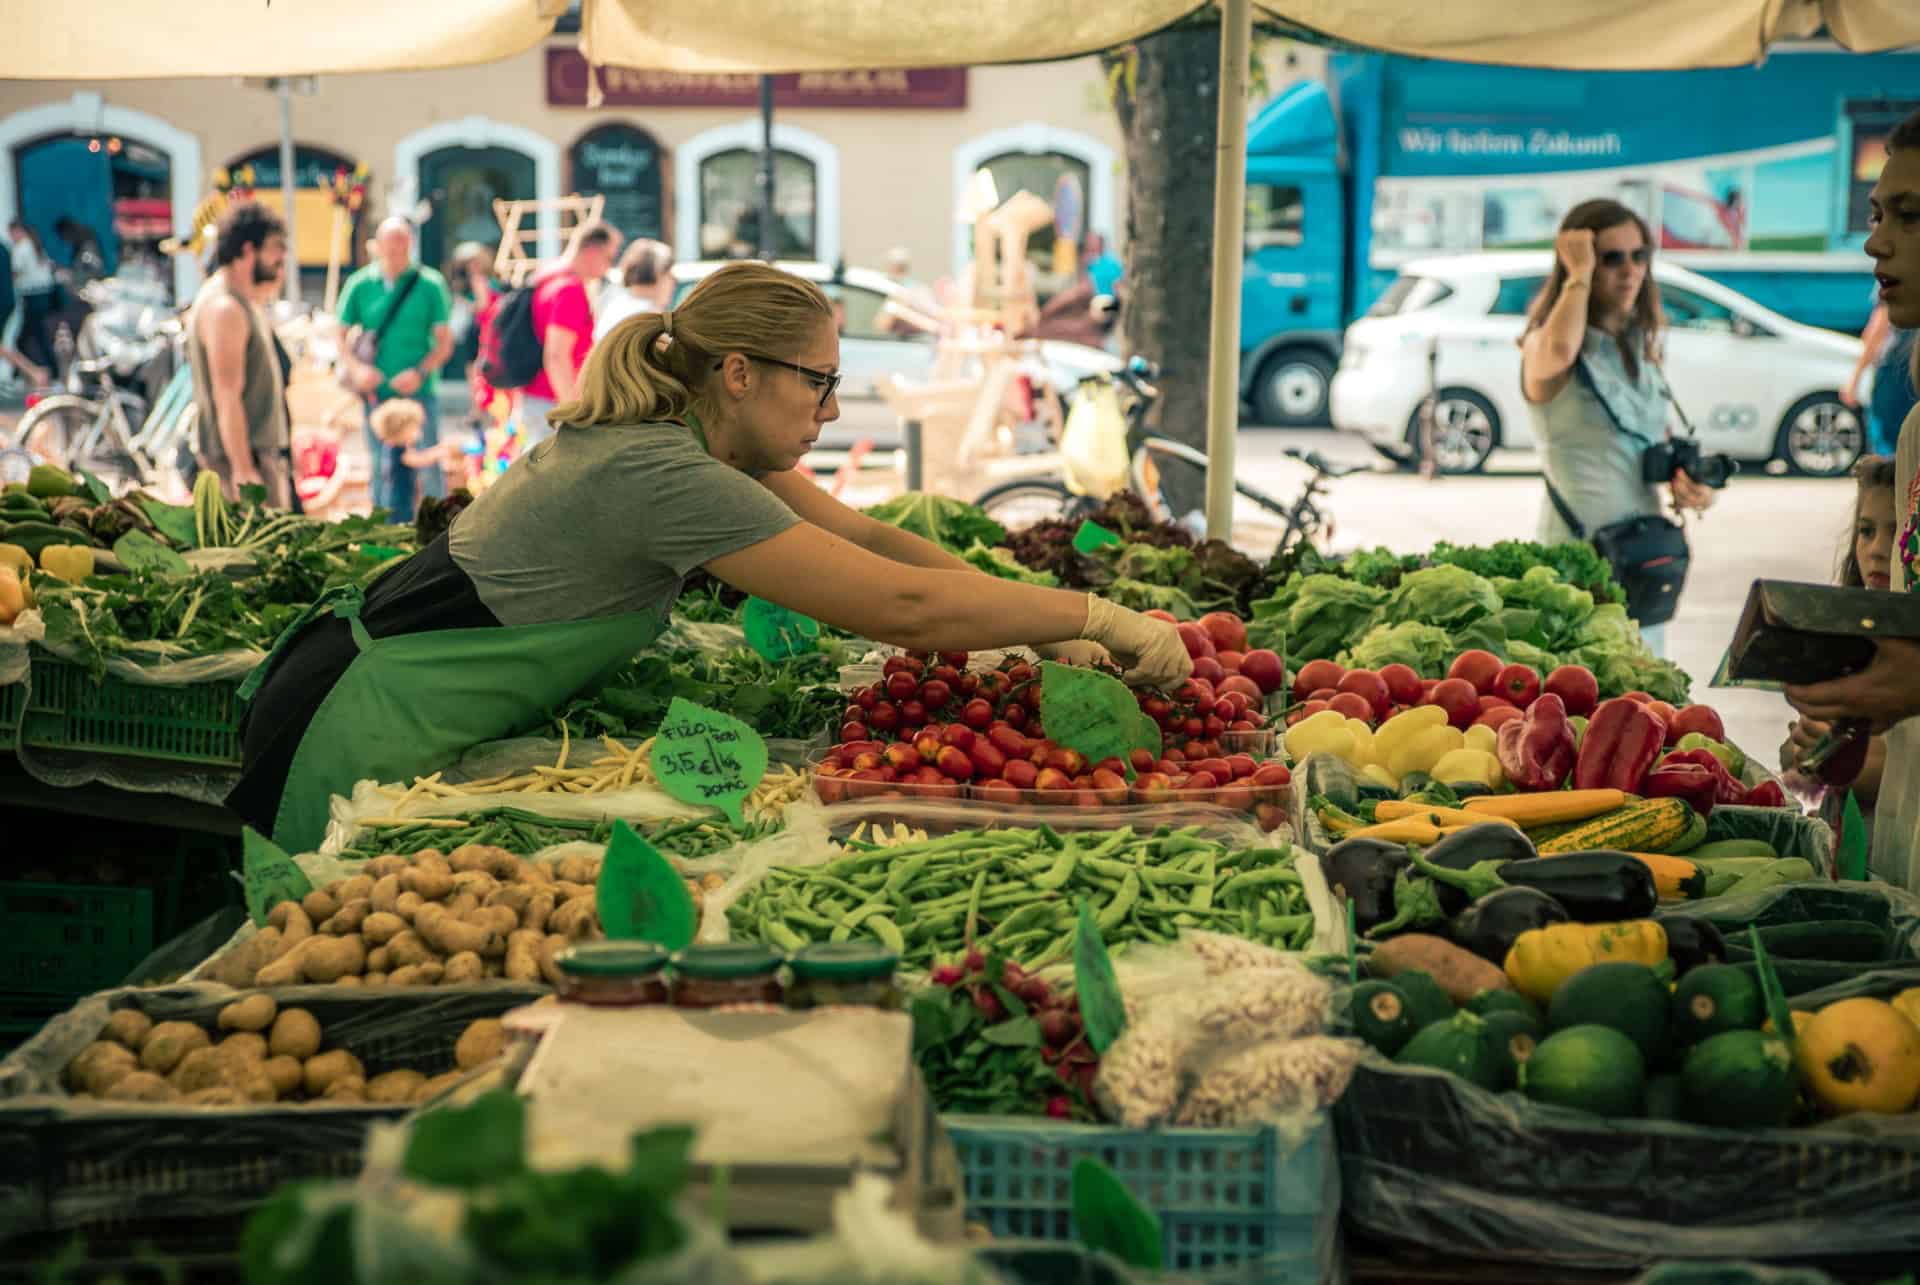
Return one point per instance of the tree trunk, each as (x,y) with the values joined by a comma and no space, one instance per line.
(1169,116)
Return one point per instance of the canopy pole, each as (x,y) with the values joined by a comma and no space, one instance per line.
(291,283)
(1229,206)
(769,246)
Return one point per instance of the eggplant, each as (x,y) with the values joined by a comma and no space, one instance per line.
(1489,926)
(1692,942)
(1472,846)
(1363,871)
(1595,887)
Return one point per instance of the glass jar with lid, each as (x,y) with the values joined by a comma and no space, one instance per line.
(845,972)
(709,976)
(614,974)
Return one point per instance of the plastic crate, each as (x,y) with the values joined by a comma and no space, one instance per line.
(189,723)
(12,702)
(1224,1196)
(71,939)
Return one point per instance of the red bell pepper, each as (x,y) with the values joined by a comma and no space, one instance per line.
(1767,794)
(1623,739)
(1689,781)
(1725,788)
(1537,750)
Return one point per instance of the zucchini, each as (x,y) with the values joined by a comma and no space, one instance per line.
(1740,1079)
(1849,939)
(1797,976)
(1724,849)
(1652,825)
(1626,997)
(35,536)
(1712,999)
(1587,1068)
(1515,1036)
(1425,998)
(1380,1016)
(1464,1045)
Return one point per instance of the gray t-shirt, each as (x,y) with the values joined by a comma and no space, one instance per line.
(1595,466)
(601,521)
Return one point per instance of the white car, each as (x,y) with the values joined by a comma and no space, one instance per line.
(871,349)
(1756,385)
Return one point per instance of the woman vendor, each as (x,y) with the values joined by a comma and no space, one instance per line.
(678,453)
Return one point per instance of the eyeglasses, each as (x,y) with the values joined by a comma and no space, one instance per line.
(1618,258)
(828,382)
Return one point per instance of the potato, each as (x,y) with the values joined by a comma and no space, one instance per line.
(99,1066)
(250,1046)
(395,1086)
(534,873)
(500,920)
(430,877)
(328,959)
(128,1026)
(408,948)
(357,888)
(349,918)
(292,922)
(462,968)
(391,864)
(449,935)
(350,979)
(565,891)
(348,1088)
(459,905)
(493,968)
(322,1069)
(219,1095)
(169,1042)
(381,927)
(427,974)
(205,1068)
(497,862)
(288,970)
(523,956)
(408,904)
(386,892)
(575,870)
(296,1033)
(141,1086)
(575,921)
(254,1013)
(437,1085)
(284,1073)
(539,910)
(376,978)
(549,955)
(320,906)
(238,967)
(480,1043)
(1461,973)
(515,896)
(478,882)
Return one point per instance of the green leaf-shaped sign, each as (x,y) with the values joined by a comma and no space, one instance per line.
(1102,1011)
(640,896)
(1094,713)
(268,876)
(776,632)
(1092,535)
(705,757)
(1111,1219)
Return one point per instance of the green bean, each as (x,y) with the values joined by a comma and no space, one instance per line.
(1060,871)
(1117,908)
(888,932)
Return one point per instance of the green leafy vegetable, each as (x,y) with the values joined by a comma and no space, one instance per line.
(1428,648)
(952,524)
(1002,563)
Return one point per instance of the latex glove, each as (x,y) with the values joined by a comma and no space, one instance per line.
(1150,649)
(1078,651)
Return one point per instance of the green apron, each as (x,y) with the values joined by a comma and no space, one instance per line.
(413,703)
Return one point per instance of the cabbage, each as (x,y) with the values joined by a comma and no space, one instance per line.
(1327,611)
(1446,596)
(1427,648)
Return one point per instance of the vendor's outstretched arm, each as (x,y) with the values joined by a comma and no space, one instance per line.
(821,509)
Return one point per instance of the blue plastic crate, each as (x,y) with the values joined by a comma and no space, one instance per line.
(1223,1196)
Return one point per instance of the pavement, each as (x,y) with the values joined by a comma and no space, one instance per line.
(1779,527)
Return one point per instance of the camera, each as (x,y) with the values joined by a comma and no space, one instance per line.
(1659,464)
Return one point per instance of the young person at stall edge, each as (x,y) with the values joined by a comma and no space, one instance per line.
(1887,691)
(1589,372)
(1867,564)
(678,452)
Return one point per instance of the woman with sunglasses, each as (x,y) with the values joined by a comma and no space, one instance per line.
(1599,311)
(678,452)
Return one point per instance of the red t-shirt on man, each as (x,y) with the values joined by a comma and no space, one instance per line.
(561,299)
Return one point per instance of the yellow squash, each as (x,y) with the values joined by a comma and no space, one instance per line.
(1860,1055)
(12,555)
(1542,958)
(1549,807)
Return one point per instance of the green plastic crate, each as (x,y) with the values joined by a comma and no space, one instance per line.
(71,939)
(12,701)
(1224,1197)
(193,723)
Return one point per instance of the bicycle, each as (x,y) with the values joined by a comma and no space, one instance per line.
(1025,501)
(94,431)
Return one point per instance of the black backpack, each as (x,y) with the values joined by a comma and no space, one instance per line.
(511,355)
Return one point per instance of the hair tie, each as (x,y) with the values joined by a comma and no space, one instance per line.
(666,321)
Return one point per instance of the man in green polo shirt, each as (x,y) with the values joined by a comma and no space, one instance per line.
(413,346)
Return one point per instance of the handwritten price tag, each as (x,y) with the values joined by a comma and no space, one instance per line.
(640,896)
(268,876)
(776,632)
(705,757)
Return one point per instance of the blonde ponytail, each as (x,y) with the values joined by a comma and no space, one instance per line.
(644,372)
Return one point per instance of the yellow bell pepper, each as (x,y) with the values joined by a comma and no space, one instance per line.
(1396,731)
(1325,732)
(12,555)
(70,562)
(1425,748)
(1379,776)
(1482,737)
(13,595)
(1542,958)
(1363,752)
(1469,765)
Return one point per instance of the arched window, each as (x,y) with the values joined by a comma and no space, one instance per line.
(1072,171)
(313,216)
(730,205)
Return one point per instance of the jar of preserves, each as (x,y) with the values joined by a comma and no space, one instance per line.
(709,976)
(845,972)
(613,974)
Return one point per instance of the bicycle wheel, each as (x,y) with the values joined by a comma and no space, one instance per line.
(1015,505)
(53,429)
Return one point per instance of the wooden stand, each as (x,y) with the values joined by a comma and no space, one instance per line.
(518,258)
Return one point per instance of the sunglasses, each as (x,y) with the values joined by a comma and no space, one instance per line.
(828,382)
(1619,258)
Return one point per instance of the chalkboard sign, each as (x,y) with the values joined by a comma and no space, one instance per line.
(623,163)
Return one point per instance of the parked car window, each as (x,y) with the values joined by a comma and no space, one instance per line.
(1514,296)
(1688,311)
(1274,216)
(864,318)
(1409,294)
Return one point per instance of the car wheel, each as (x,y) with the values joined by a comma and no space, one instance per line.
(1821,436)
(1466,428)
(1399,456)
(1291,391)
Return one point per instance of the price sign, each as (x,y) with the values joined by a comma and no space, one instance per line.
(640,896)
(268,875)
(705,757)
(777,633)
(1088,711)
(1092,535)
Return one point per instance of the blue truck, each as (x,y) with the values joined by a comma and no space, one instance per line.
(1754,176)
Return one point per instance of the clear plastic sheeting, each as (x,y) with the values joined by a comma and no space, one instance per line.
(27,628)
(69,769)
(1429,1159)
(937,816)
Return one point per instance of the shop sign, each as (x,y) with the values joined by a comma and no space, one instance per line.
(623,164)
(940,88)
